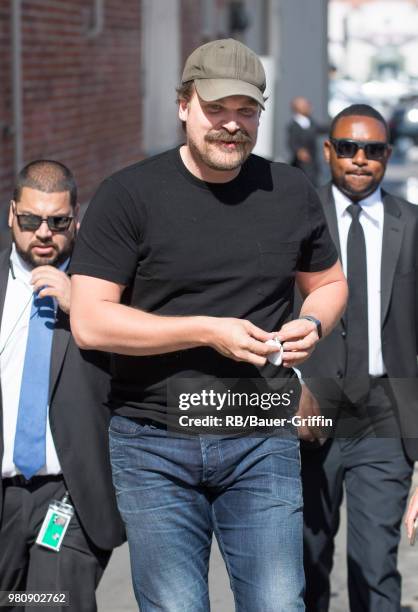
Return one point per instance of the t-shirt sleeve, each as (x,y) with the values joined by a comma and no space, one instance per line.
(318,250)
(107,245)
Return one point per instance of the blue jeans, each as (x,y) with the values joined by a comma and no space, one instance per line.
(174,491)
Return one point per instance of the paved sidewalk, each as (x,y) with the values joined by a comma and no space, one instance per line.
(115,592)
(408,567)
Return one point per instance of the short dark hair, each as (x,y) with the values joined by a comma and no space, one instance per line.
(359,110)
(185,91)
(47,176)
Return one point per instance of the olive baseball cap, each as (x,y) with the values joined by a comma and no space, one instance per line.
(225,68)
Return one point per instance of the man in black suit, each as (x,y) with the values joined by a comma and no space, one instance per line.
(364,374)
(302,132)
(53,422)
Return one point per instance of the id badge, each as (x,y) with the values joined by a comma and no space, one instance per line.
(55,524)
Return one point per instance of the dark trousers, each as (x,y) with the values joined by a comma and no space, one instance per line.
(377,475)
(25,566)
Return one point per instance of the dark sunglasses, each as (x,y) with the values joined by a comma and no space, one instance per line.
(345,147)
(58,223)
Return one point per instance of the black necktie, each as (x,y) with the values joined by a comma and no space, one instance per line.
(357,373)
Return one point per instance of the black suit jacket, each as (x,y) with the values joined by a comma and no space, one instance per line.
(79,420)
(399,313)
(298,138)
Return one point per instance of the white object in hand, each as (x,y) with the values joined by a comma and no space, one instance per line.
(277,357)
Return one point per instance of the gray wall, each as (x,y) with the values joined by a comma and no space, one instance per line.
(303,61)
(161,39)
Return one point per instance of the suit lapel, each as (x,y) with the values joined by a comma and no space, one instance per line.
(60,342)
(328,204)
(4,275)
(393,228)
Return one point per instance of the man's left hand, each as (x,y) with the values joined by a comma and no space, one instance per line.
(303,155)
(309,407)
(51,281)
(298,338)
(412,514)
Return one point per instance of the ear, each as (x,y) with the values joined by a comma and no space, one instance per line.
(389,153)
(183,109)
(76,216)
(327,151)
(11,213)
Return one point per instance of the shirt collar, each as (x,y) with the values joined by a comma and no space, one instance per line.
(302,120)
(20,268)
(371,205)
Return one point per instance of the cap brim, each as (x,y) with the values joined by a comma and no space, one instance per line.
(215,89)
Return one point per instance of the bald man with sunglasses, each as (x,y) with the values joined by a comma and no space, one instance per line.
(53,421)
(364,374)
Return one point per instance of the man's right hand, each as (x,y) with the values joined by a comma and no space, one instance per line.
(240,340)
(49,280)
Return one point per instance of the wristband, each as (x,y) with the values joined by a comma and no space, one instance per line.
(316,321)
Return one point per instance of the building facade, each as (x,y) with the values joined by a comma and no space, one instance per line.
(91,83)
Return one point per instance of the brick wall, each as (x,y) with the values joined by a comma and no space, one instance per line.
(6,140)
(81,95)
(191,27)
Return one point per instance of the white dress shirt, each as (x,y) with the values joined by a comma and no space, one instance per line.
(371,219)
(13,338)
(302,120)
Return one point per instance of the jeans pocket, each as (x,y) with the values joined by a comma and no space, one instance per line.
(125,427)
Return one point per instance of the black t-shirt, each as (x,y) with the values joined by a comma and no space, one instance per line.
(186,247)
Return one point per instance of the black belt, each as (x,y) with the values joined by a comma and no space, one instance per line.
(20,481)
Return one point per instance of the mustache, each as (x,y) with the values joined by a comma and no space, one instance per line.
(216,135)
(43,243)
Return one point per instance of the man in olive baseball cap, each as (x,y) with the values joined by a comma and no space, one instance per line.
(220,101)
(200,241)
(224,68)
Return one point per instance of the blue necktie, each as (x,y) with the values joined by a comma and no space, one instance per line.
(30,440)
